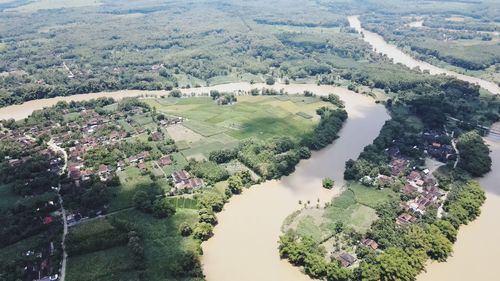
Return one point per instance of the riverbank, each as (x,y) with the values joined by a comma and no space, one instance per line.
(475,253)
(245,240)
(244,246)
(379,45)
(20,111)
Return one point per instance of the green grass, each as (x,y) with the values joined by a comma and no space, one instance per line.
(71,116)
(126,126)
(204,148)
(307,227)
(179,162)
(86,229)
(345,209)
(162,241)
(111,107)
(369,196)
(355,208)
(184,203)
(203,128)
(130,179)
(304,115)
(142,119)
(112,264)
(252,116)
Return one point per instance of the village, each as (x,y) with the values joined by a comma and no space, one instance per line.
(418,188)
(65,159)
(96,157)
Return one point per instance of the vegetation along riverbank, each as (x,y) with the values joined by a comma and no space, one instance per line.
(396,213)
(145,178)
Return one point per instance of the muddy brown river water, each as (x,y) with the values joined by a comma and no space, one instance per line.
(244,246)
(476,251)
(380,45)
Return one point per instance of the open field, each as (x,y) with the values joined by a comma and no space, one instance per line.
(111,264)
(354,208)
(162,242)
(211,127)
(130,179)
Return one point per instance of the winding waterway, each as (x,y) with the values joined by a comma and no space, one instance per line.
(380,45)
(245,243)
(476,251)
(244,246)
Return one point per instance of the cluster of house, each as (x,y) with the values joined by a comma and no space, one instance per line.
(345,259)
(435,147)
(183,181)
(39,264)
(171,121)
(420,186)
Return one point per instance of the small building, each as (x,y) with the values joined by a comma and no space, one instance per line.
(165,160)
(86,174)
(384,181)
(156,136)
(48,220)
(346,259)
(408,189)
(370,243)
(104,172)
(398,166)
(405,219)
(142,167)
(414,176)
(180,176)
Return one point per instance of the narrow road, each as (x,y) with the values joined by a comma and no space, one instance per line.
(65,232)
(54,147)
(454,144)
(159,167)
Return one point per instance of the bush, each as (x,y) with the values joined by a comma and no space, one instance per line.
(270,81)
(474,154)
(163,208)
(328,183)
(185,229)
(203,231)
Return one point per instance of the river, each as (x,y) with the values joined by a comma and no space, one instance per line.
(476,251)
(380,45)
(244,246)
(245,243)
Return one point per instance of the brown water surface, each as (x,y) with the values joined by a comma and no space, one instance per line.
(476,252)
(380,45)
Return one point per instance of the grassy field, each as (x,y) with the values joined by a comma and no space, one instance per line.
(111,264)
(162,242)
(354,208)
(183,202)
(130,179)
(211,127)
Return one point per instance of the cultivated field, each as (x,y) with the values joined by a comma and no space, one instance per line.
(208,126)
